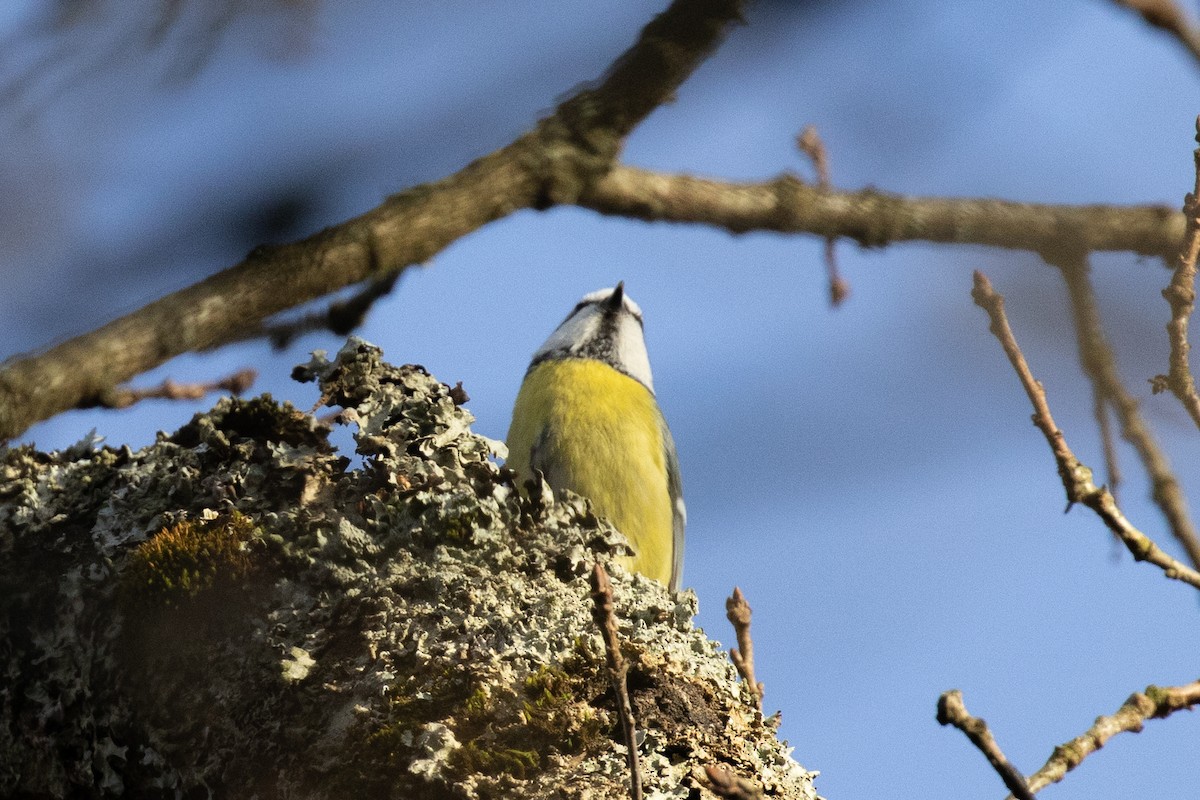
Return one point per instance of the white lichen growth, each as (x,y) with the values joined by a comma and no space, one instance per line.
(409,626)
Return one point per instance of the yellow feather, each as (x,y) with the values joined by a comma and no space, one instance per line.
(599,433)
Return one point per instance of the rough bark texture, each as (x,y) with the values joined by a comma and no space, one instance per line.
(238,611)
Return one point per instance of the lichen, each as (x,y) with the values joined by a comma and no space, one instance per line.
(234,611)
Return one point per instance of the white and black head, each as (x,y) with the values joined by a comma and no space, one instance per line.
(605,325)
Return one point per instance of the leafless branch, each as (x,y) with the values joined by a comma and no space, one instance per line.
(875,218)
(809,142)
(1100,365)
(602,613)
(738,612)
(1155,702)
(1169,16)
(952,711)
(125,396)
(1076,476)
(1181,295)
(340,318)
(551,164)
(568,158)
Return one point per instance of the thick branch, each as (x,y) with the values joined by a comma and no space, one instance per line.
(1076,476)
(1155,703)
(551,163)
(874,218)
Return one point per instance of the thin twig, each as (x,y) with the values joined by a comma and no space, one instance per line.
(1112,465)
(1076,476)
(1167,15)
(1100,365)
(809,142)
(1155,702)
(952,711)
(340,318)
(1181,295)
(738,612)
(125,396)
(602,613)
(726,784)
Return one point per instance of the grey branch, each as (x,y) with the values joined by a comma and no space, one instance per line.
(1076,476)
(1100,364)
(568,158)
(952,711)
(550,164)
(875,218)
(1180,294)
(1155,702)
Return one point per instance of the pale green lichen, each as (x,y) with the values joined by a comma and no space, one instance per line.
(410,627)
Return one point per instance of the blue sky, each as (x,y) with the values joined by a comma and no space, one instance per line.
(868,475)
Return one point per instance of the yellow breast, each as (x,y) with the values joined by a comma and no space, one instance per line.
(599,433)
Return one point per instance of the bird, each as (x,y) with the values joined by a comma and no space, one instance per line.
(587,420)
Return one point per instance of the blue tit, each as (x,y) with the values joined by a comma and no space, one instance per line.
(586,418)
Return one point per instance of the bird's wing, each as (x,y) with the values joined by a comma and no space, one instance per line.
(678,509)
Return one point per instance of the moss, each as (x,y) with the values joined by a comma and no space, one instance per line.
(183,560)
(555,712)
(492,760)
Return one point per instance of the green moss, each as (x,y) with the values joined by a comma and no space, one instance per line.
(480,757)
(185,559)
(555,713)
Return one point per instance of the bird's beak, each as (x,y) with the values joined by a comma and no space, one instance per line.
(617,299)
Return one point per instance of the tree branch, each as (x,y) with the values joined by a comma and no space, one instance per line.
(1076,476)
(125,396)
(550,164)
(606,621)
(1168,16)
(952,711)
(738,612)
(568,158)
(1100,365)
(1181,296)
(809,142)
(1155,702)
(874,218)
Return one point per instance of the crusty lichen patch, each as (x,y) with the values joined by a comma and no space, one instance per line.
(234,611)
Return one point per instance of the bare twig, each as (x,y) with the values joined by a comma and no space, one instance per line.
(602,613)
(553,163)
(1167,15)
(1076,476)
(125,396)
(952,711)
(1112,465)
(1155,702)
(738,612)
(726,784)
(1181,295)
(1100,365)
(809,142)
(340,318)
(875,218)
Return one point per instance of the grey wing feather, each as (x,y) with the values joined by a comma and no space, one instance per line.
(679,511)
